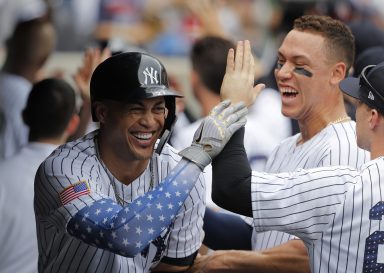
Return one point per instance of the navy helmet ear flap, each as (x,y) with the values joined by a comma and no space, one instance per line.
(170,120)
(170,104)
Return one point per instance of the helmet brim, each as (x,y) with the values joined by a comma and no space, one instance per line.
(152,92)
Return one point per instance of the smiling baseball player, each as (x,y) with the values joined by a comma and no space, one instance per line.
(107,202)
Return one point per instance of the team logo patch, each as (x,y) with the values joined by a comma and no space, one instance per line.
(151,76)
(74,191)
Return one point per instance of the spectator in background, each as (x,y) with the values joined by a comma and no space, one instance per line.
(170,27)
(369,56)
(126,25)
(75,22)
(13,12)
(51,117)
(366,34)
(27,51)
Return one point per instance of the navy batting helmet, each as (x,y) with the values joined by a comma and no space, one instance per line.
(132,76)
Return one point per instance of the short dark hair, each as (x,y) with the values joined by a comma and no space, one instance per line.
(31,42)
(50,106)
(209,57)
(340,41)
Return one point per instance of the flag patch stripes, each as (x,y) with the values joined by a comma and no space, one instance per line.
(74,191)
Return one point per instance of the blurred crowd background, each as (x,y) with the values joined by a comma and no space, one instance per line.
(168,28)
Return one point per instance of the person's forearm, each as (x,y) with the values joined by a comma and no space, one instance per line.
(248,261)
(291,257)
(231,177)
(288,258)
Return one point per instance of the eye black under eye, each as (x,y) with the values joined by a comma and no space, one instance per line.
(303,71)
(279,65)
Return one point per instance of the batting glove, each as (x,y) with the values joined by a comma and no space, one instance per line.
(214,132)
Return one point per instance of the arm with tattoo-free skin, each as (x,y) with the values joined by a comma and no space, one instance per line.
(289,257)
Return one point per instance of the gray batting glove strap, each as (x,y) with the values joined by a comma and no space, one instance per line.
(214,132)
(197,155)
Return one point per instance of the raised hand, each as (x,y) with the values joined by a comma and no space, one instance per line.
(92,58)
(214,132)
(82,77)
(238,82)
(207,13)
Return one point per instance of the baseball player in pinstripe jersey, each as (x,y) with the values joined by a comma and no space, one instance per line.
(337,211)
(107,202)
(327,135)
(313,58)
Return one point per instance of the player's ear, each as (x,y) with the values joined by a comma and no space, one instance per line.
(374,119)
(338,73)
(100,110)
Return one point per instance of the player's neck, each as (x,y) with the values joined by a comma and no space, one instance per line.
(127,172)
(377,145)
(311,126)
(123,169)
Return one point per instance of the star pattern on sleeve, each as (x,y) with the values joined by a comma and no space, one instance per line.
(128,230)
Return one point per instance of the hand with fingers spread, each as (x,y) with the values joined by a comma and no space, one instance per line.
(214,132)
(206,11)
(92,58)
(238,82)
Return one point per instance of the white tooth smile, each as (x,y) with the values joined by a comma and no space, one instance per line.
(288,91)
(143,136)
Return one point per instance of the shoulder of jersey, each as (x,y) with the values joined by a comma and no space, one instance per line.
(169,153)
(85,145)
(342,132)
(375,162)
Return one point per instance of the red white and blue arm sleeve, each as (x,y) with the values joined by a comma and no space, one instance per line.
(128,230)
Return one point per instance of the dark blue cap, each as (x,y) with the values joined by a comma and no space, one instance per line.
(368,88)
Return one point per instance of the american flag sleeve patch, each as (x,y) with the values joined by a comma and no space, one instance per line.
(74,191)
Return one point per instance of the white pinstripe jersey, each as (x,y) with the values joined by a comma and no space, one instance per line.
(334,145)
(336,211)
(75,161)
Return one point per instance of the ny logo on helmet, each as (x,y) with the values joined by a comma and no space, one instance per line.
(150,74)
(371,96)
